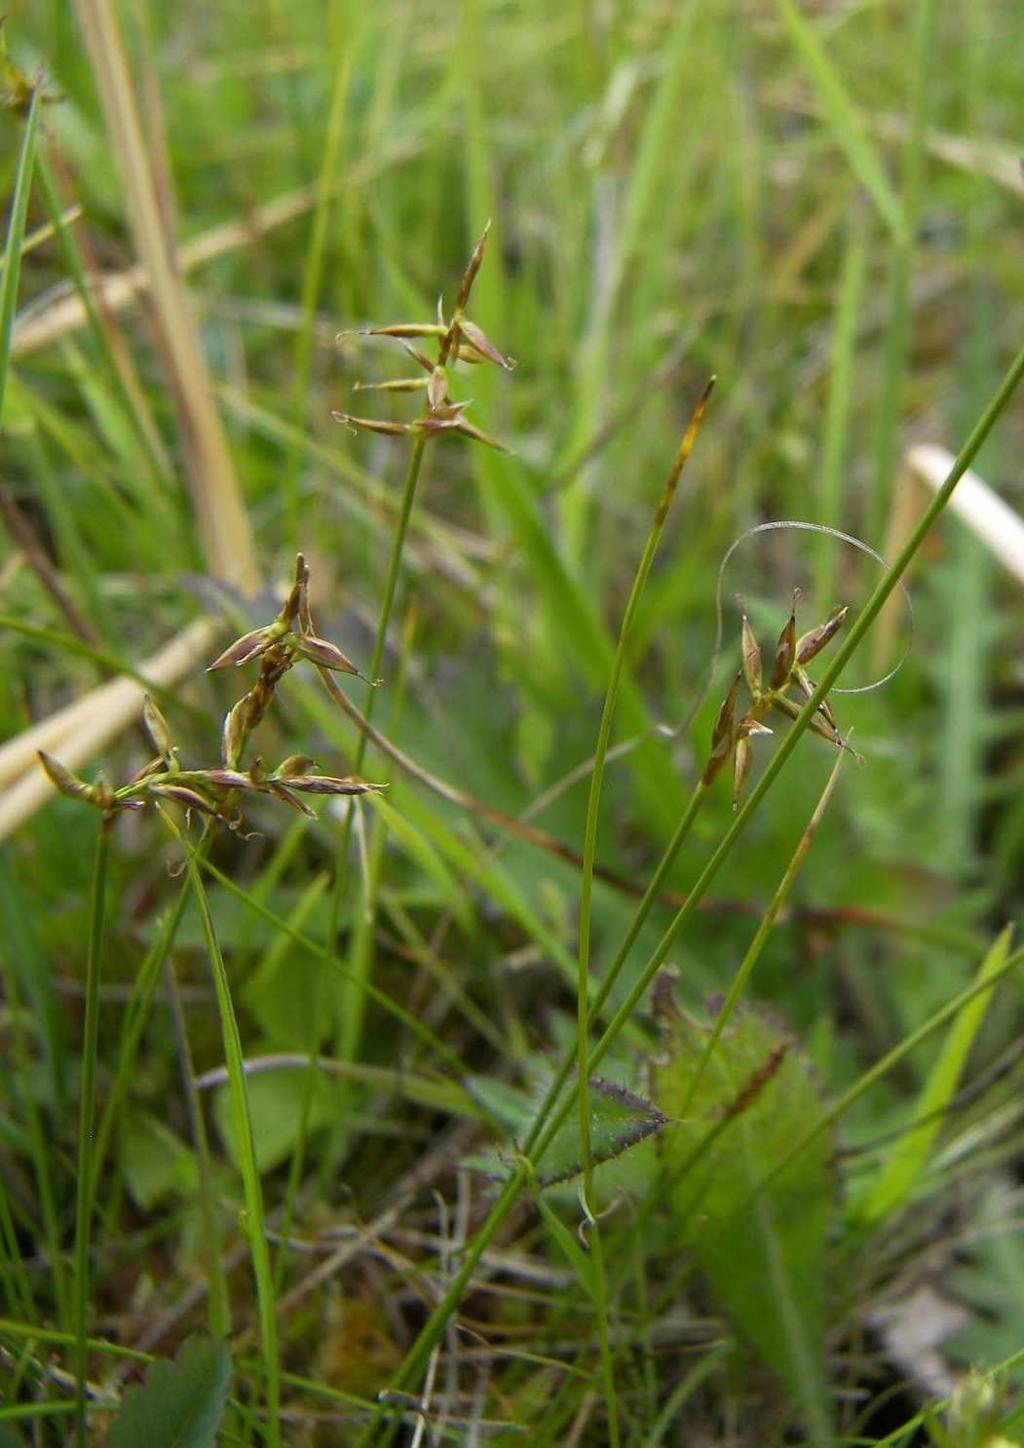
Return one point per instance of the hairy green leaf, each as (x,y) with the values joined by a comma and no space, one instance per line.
(179,1405)
(764,1255)
(619,1120)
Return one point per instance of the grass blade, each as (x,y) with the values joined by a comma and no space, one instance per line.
(255,1226)
(908,1158)
(15,237)
(86,1127)
(843,120)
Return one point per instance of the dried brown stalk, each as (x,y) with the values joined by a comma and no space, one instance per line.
(221,518)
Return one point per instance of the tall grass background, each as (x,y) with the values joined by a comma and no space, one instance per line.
(820,206)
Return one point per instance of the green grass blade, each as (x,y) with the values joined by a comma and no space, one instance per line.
(838,407)
(908,1158)
(255,1225)
(86,1126)
(897,334)
(15,237)
(843,120)
(586,892)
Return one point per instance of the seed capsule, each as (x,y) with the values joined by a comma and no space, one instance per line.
(813,642)
(722,735)
(743,759)
(751,659)
(156,727)
(322,652)
(785,653)
(249,646)
(62,779)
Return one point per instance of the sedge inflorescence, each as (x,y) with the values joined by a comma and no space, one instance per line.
(214,791)
(731,736)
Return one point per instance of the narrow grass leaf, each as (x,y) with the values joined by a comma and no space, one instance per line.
(242,1116)
(15,237)
(908,1158)
(842,117)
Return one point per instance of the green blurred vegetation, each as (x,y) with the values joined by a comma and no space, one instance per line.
(819,203)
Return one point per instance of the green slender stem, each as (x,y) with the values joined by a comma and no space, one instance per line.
(897,338)
(429,1334)
(87,1122)
(310,1080)
(254,1224)
(764,929)
(37,1137)
(12,1272)
(15,235)
(586,893)
(312,283)
(219,1300)
(412,476)
(750,959)
(137,1015)
(538,1140)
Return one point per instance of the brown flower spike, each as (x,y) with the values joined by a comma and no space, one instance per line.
(458,340)
(212,791)
(730,738)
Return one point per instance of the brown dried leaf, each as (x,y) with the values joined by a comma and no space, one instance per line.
(281,791)
(478,435)
(744,758)
(295,764)
(182,794)
(396,329)
(437,388)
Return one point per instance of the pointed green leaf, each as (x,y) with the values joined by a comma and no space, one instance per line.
(619,1120)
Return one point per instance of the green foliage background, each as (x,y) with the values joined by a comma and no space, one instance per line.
(817,203)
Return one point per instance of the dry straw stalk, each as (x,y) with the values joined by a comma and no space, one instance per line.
(220,513)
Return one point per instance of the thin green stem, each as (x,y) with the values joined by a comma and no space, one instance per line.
(87,1122)
(312,282)
(412,476)
(12,1272)
(764,929)
(897,338)
(586,894)
(219,1300)
(538,1140)
(15,236)
(245,1146)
